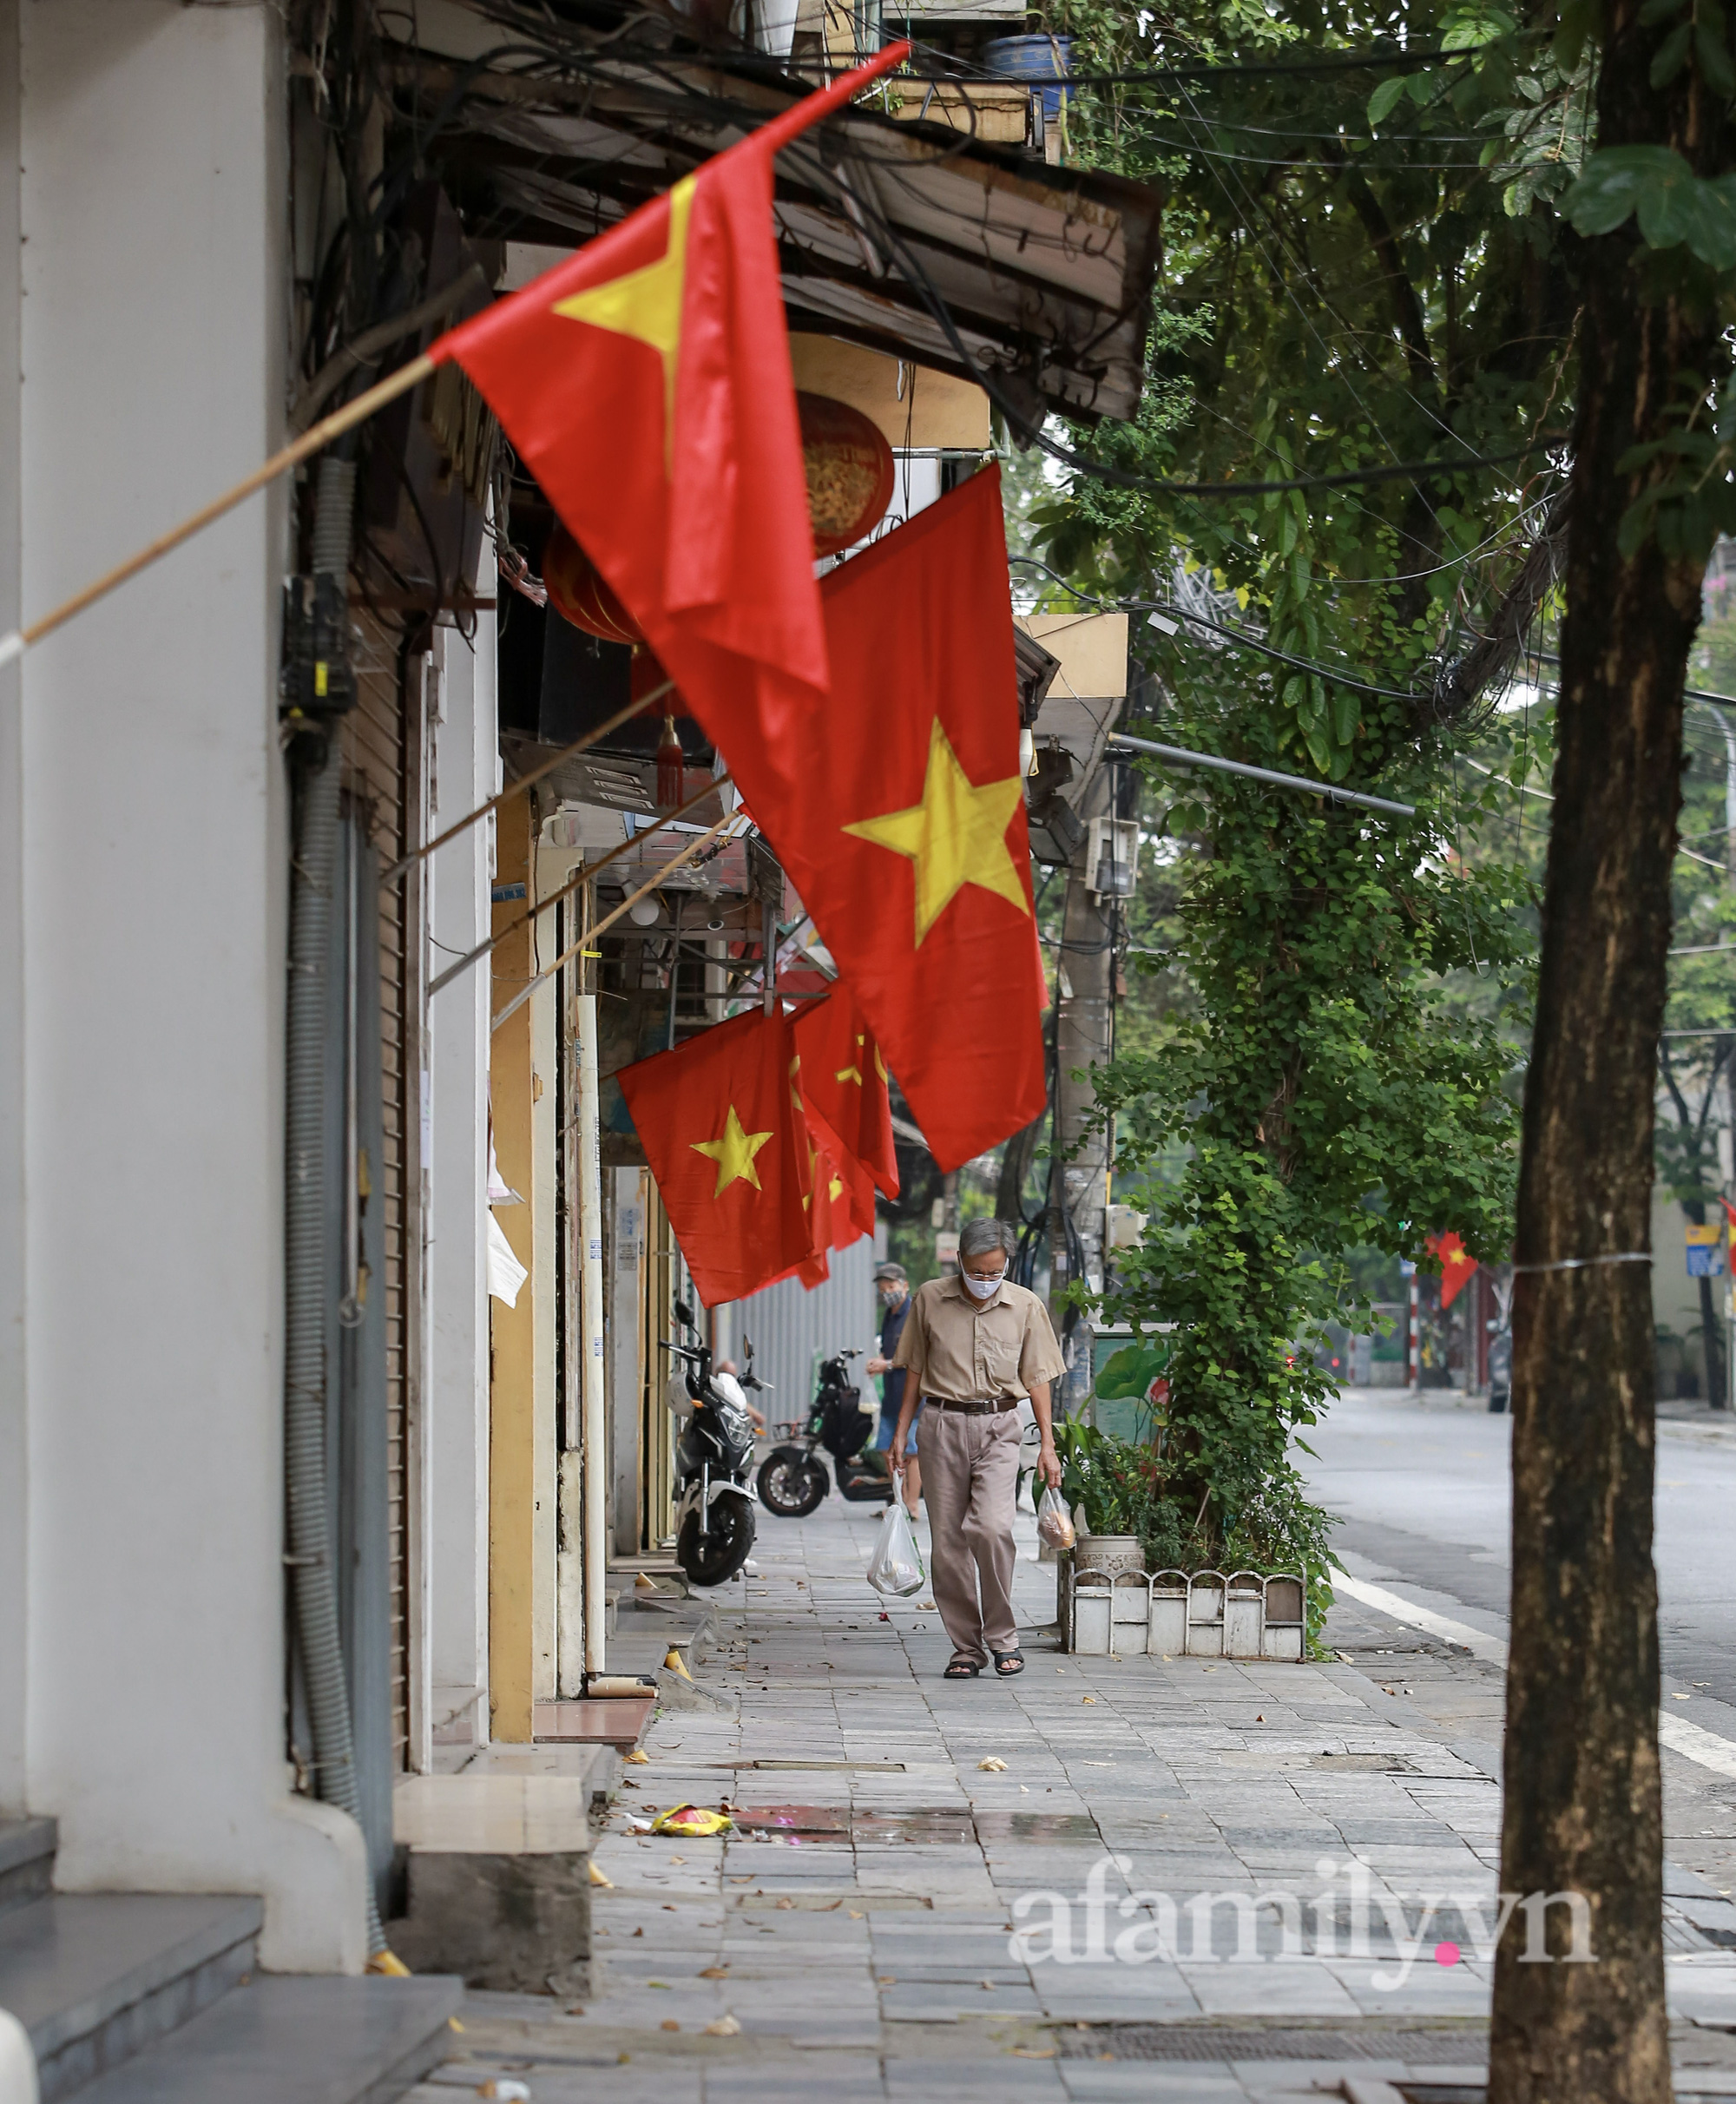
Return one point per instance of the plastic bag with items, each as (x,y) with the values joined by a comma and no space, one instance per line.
(1054,1522)
(896,1567)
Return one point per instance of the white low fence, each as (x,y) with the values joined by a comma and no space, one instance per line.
(1172,1614)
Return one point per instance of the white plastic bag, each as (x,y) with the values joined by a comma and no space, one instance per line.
(896,1567)
(1054,1522)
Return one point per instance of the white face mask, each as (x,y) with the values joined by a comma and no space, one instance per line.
(983,1288)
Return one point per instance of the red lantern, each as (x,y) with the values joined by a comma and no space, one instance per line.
(849,472)
(578,592)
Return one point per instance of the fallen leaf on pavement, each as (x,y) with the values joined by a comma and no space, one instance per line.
(638,1757)
(1088,1698)
(597,1879)
(887,1980)
(669,2024)
(725,2027)
(715,1972)
(855,1915)
(994,1766)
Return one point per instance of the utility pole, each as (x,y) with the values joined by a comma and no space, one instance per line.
(1083,1010)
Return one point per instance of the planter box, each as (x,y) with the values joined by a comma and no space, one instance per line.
(1171,1614)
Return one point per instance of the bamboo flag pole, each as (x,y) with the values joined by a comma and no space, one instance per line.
(609,919)
(806,110)
(311,441)
(578,877)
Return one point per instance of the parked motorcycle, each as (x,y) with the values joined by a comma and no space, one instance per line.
(714,1521)
(792,1480)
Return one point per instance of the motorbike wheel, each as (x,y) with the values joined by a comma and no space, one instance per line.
(792,1485)
(716,1555)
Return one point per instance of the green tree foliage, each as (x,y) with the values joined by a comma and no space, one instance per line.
(1365,268)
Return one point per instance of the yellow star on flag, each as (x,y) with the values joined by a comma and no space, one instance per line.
(647,303)
(734,1152)
(956,836)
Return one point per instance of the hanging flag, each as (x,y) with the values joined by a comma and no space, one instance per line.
(843,1082)
(899,812)
(717,1121)
(1455,1266)
(826,1189)
(646,383)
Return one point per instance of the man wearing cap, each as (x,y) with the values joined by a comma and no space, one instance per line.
(892,1283)
(974,1347)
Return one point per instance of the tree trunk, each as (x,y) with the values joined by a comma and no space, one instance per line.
(1582,1810)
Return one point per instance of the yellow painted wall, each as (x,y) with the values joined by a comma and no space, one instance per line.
(936,409)
(1092,648)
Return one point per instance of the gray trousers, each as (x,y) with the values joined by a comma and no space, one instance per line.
(969,1480)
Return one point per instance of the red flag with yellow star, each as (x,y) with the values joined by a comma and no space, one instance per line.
(646,383)
(845,1084)
(899,812)
(724,1136)
(1457,1266)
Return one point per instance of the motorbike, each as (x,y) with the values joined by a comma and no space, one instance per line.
(714,1521)
(792,1480)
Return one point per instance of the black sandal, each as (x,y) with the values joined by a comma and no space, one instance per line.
(1008,1664)
(962,1669)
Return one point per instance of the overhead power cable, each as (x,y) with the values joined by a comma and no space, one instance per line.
(1171,613)
(1019,418)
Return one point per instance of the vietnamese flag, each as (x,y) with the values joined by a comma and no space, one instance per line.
(899,812)
(1455,1266)
(845,1084)
(646,383)
(722,1131)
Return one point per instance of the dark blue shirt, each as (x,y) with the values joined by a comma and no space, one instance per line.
(891,1329)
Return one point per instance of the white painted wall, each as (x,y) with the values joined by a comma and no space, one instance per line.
(155,856)
(464,771)
(14,1448)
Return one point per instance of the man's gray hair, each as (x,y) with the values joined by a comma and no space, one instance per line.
(980,1236)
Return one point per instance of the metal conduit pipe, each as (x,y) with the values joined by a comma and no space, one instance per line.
(313,880)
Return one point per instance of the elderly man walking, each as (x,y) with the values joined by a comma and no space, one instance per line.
(974,1347)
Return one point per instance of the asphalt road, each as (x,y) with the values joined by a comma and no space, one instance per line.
(1422,1488)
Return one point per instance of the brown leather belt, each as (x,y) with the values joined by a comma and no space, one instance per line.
(981,1407)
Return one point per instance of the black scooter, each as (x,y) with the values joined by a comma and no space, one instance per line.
(714,1521)
(792,1480)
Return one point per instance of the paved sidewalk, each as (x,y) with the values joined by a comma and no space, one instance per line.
(892,1920)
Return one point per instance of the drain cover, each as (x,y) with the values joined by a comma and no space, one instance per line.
(1175,2041)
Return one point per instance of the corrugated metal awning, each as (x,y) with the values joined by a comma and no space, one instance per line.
(907,237)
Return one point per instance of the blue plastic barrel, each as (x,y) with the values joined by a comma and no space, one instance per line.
(1032,58)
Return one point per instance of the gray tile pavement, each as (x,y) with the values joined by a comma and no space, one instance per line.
(894,1922)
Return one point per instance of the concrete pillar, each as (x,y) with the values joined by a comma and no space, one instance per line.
(462,780)
(14,1444)
(153,921)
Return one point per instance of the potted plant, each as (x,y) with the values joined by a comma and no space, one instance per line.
(1116,1486)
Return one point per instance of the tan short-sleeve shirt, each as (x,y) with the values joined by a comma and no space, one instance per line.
(966,1350)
